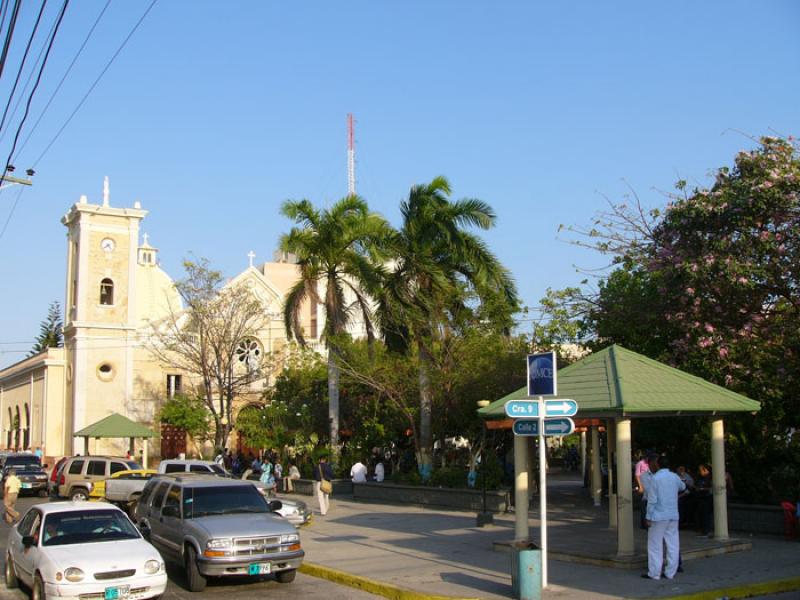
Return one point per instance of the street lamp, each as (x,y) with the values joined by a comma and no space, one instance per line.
(484,517)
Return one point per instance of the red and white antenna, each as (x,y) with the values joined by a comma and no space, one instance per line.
(351,157)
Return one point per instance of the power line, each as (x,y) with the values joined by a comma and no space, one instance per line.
(22,64)
(64,77)
(28,81)
(28,108)
(96,81)
(9,34)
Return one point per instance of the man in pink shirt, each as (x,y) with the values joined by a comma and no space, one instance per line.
(641,468)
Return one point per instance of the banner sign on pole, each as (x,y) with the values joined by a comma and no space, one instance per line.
(542,374)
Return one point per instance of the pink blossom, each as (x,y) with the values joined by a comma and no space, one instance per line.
(709,328)
(690,291)
(742,280)
(704,342)
(723,352)
(728,379)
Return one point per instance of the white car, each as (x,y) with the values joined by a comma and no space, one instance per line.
(74,550)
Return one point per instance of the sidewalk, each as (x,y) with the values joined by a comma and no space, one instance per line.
(443,553)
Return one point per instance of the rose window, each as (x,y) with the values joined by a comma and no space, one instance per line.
(249,353)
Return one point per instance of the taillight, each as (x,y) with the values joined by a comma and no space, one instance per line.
(63,480)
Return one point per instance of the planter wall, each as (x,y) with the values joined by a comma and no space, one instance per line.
(460,499)
(341,487)
(755,518)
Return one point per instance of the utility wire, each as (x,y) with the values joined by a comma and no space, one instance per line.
(9,34)
(64,77)
(28,81)
(3,11)
(96,81)
(22,64)
(27,110)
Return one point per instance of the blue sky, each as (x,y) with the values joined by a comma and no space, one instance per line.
(216,112)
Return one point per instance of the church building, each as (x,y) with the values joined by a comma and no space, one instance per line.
(115,290)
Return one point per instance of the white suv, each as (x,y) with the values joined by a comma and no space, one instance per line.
(204,467)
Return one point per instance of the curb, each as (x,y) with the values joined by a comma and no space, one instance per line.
(743,591)
(365,584)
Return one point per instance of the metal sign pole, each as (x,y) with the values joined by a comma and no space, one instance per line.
(542,495)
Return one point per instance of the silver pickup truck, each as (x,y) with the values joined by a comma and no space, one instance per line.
(125,489)
(217,527)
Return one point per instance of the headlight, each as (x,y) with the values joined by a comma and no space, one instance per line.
(291,538)
(151,567)
(73,574)
(219,544)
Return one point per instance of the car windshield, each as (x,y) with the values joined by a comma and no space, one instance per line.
(22,460)
(87,526)
(222,500)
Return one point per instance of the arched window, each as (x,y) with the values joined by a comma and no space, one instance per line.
(107,292)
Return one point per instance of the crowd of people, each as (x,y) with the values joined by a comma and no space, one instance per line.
(267,469)
(671,500)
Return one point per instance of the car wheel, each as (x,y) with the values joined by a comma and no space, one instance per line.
(286,576)
(132,508)
(195,579)
(79,494)
(42,493)
(11,576)
(37,591)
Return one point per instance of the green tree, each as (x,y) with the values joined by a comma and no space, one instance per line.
(188,413)
(437,266)
(334,253)
(50,331)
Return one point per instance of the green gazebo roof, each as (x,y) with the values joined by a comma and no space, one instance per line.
(617,382)
(115,426)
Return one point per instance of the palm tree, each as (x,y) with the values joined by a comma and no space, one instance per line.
(436,260)
(334,253)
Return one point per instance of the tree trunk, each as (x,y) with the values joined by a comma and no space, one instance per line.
(333,400)
(425,458)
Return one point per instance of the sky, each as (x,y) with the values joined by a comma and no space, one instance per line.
(214,113)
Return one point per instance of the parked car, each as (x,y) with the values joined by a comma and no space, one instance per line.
(80,473)
(33,479)
(82,550)
(188,465)
(123,488)
(214,526)
(55,472)
(295,511)
(18,460)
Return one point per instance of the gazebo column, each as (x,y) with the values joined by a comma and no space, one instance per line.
(521,446)
(144,453)
(624,489)
(597,483)
(583,456)
(612,497)
(718,479)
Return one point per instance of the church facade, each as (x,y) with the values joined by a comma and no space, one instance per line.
(115,293)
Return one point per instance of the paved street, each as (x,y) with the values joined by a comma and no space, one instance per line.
(303,587)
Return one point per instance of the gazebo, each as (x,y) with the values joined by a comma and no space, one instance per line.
(617,385)
(117,426)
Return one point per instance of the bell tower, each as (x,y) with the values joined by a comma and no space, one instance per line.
(100,310)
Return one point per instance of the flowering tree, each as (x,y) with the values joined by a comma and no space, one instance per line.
(711,284)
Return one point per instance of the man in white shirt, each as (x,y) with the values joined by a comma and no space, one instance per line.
(662,491)
(359,472)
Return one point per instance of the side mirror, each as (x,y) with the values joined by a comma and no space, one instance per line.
(275,505)
(28,541)
(171,511)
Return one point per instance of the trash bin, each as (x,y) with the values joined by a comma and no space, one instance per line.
(526,571)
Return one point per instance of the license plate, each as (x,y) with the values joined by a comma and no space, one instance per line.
(259,569)
(117,593)
(27,486)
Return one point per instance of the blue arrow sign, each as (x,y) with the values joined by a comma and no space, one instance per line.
(561,408)
(522,409)
(552,427)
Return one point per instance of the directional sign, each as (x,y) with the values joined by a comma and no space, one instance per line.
(530,427)
(522,409)
(542,374)
(561,408)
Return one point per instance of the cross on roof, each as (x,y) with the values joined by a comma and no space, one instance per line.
(251,255)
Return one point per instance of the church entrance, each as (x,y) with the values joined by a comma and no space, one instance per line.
(173,441)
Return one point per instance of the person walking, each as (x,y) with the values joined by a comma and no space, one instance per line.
(323,479)
(662,521)
(10,493)
(641,471)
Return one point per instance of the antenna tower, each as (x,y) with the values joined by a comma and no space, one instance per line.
(351,157)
